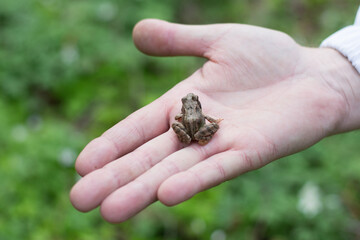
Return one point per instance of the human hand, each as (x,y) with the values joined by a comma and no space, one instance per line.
(275,96)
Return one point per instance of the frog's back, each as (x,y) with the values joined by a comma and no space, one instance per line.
(193,123)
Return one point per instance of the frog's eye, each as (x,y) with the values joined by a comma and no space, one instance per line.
(195,98)
(183,100)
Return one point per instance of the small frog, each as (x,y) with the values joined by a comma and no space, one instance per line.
(191,122)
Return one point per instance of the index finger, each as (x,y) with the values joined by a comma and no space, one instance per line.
(138,128)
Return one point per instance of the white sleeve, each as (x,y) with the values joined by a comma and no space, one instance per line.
(347,42)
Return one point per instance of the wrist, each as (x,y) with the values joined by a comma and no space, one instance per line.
(346,41)
(342,80)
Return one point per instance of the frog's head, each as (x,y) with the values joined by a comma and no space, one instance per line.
(191,101)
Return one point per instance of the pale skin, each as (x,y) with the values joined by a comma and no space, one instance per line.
(275,97)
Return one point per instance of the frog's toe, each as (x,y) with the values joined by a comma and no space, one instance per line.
(204,140)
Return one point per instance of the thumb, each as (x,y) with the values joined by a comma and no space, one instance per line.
(161,38)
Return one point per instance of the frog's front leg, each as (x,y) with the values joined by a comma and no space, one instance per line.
(180,131)
(212,120)
(206,132)
(179,117)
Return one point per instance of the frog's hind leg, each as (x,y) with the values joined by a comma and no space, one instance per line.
(205,133)
(180,131)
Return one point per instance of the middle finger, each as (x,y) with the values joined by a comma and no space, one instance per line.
(90,191)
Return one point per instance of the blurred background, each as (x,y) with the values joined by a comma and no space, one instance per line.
(69,71)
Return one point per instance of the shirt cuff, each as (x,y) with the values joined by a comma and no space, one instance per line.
(347,42)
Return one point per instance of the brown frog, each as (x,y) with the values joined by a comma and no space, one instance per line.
(191,122)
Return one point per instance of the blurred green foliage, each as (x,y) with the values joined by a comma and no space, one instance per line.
(69,71)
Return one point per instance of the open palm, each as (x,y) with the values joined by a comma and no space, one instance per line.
(258,80)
